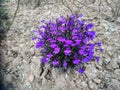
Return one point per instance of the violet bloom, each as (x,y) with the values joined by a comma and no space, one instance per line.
(55,63)
(49,55)
(74,31)
(83,47)
(53,45)
(44,60)
(81,70)
(77,42)
(97,58)
(56,50)
(76,61)
(99,44)
(68,42)
(74,37)
(52,40)
(67,52)
(82,52)
(85,40)
(101,50)
(80,15)
(89,26)
(62,28)
(60,39)
(91,47)
(85,60)
(68,38)
(91,34)
(65,64)
(39,44)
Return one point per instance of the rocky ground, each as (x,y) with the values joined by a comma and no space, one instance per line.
(21,68)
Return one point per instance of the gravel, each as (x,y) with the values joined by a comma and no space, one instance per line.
(21,68)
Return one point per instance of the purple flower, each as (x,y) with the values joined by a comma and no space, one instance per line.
(66,45)
(85,60)
(49,55)
(53,45)
(73,16)
(101,50)
(97,58)
(42,21)
(61,39)
(67,52)
(80,15)
(56,50)
(68,42)
(74,31)
(83,47)
(52,40)
(82,52)
(65,64)
(77,42)
(89,26)
(39,44)
(75,37)
(81,70)
(99,44)
(44,60)
(91,53)
(85,40)
(33,38)
(62,28)
(76,61)
(55,63)
(43,50)
(91,47)
(82,22)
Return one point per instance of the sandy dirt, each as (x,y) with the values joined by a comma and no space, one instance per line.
(20,61)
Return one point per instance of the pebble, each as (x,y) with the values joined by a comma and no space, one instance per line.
(31,78)
(114,85)
(107,60)
(97,81)
(112,65)
(92,85)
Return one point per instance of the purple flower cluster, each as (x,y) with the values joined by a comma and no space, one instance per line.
(67,43)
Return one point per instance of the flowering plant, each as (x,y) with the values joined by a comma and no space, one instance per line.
(67,43)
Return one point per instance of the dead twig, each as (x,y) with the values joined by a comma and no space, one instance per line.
(18,3)
(66,5)
(94,9)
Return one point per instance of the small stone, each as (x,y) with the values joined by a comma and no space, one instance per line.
(92,85)
(31,78)
(116,74)
(106,61)
(91,72)
(114,85)
(32,51)
(44,82)
(8,78)
(100,75)
(97,81)
(84,84)
(112,65)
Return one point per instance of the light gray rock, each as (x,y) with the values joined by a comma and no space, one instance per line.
(31,78)
(92,85)
(91,71)
(116,74)
(112,65)
(97,81)
(114,85)
(107,60)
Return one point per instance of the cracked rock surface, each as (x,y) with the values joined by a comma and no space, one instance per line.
(21,68)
